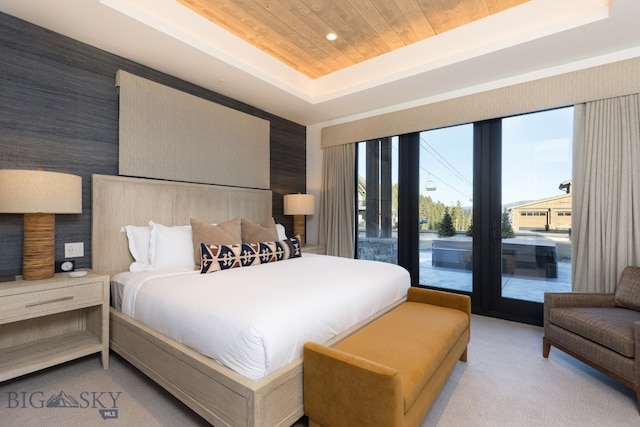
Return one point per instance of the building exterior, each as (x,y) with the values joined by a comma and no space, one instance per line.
(550,214)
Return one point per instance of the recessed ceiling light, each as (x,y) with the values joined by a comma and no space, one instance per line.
(222,79)
(332,36)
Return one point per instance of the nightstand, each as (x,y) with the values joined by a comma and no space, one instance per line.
(314,249)
(51,321)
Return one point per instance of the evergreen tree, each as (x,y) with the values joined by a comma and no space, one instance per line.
(457,216)
(446,228)
(507,230)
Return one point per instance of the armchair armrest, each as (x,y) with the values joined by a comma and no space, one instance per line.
(636,360)
(347,383)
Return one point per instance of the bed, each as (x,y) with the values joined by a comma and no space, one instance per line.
(270,396)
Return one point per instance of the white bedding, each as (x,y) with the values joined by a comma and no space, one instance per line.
(256,319)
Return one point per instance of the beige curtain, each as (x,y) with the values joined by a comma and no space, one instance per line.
(337,204)
(606,192)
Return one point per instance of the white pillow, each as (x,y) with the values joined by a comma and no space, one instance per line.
(138,237)
(170,247)
(282,234)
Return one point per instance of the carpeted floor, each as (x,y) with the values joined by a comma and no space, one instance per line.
(506,382)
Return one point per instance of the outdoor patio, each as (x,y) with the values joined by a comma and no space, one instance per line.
(517,286)
(525,286)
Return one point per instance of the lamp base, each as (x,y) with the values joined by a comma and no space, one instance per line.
(38,258)
(299,228)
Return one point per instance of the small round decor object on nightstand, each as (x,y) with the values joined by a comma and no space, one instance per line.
(77,274)
(67,266)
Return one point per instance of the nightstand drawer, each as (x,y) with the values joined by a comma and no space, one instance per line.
(34,304)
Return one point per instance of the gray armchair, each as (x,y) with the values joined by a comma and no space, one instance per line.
(602,330)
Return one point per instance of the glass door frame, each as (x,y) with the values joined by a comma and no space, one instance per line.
(486,295)
(408,206)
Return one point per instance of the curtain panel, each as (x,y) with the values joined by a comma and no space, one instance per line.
(606,192)
(337,220)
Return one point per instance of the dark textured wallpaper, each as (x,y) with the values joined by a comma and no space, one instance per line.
(59,112)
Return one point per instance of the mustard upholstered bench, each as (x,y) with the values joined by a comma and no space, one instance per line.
(389,372)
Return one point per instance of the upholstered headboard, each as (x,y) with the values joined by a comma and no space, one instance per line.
(119,201)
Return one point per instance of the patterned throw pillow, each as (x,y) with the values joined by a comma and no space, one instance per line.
(223,257)
(225,233)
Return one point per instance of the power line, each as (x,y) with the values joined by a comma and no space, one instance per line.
(443,182)
(446,164)
(443,161)
(437,156)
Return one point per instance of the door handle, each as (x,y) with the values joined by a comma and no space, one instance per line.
(496,230)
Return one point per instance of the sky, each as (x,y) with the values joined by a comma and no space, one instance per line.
(536,158)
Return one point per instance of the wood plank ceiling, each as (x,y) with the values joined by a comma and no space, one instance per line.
(294,31)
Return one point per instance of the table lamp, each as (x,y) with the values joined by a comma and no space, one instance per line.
(39,195)
(299,205)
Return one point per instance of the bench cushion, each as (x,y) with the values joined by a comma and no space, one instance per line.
(611,327)
(431,330)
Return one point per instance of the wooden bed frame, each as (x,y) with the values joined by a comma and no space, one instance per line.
(218,394)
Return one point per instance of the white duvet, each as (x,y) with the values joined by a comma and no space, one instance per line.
(256,319)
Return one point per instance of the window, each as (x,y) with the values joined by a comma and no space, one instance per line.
(378,200)
(512,175)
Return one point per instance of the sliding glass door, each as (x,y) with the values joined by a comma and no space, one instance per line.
(536,204)
(446,208)
(522,220)
(482,209)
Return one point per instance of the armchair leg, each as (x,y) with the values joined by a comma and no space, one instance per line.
(546,347)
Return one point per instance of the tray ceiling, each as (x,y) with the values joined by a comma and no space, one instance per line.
(532,40)
(294,31)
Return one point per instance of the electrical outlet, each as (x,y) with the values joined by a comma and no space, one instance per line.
(74,250)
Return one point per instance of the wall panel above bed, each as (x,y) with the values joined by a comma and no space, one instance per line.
(168,134)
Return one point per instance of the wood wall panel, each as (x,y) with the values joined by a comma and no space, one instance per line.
(288,167)
(59,111)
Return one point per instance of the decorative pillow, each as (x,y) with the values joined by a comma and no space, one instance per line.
(628,289)
(263,232)
(223,257)
(282,232)
(225,233)
(170,247)
(138,237)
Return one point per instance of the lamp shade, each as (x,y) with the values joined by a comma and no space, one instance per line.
(299,204)
(37,191)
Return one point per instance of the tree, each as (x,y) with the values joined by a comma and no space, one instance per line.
(446,228)
(457,216)
(507,230)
